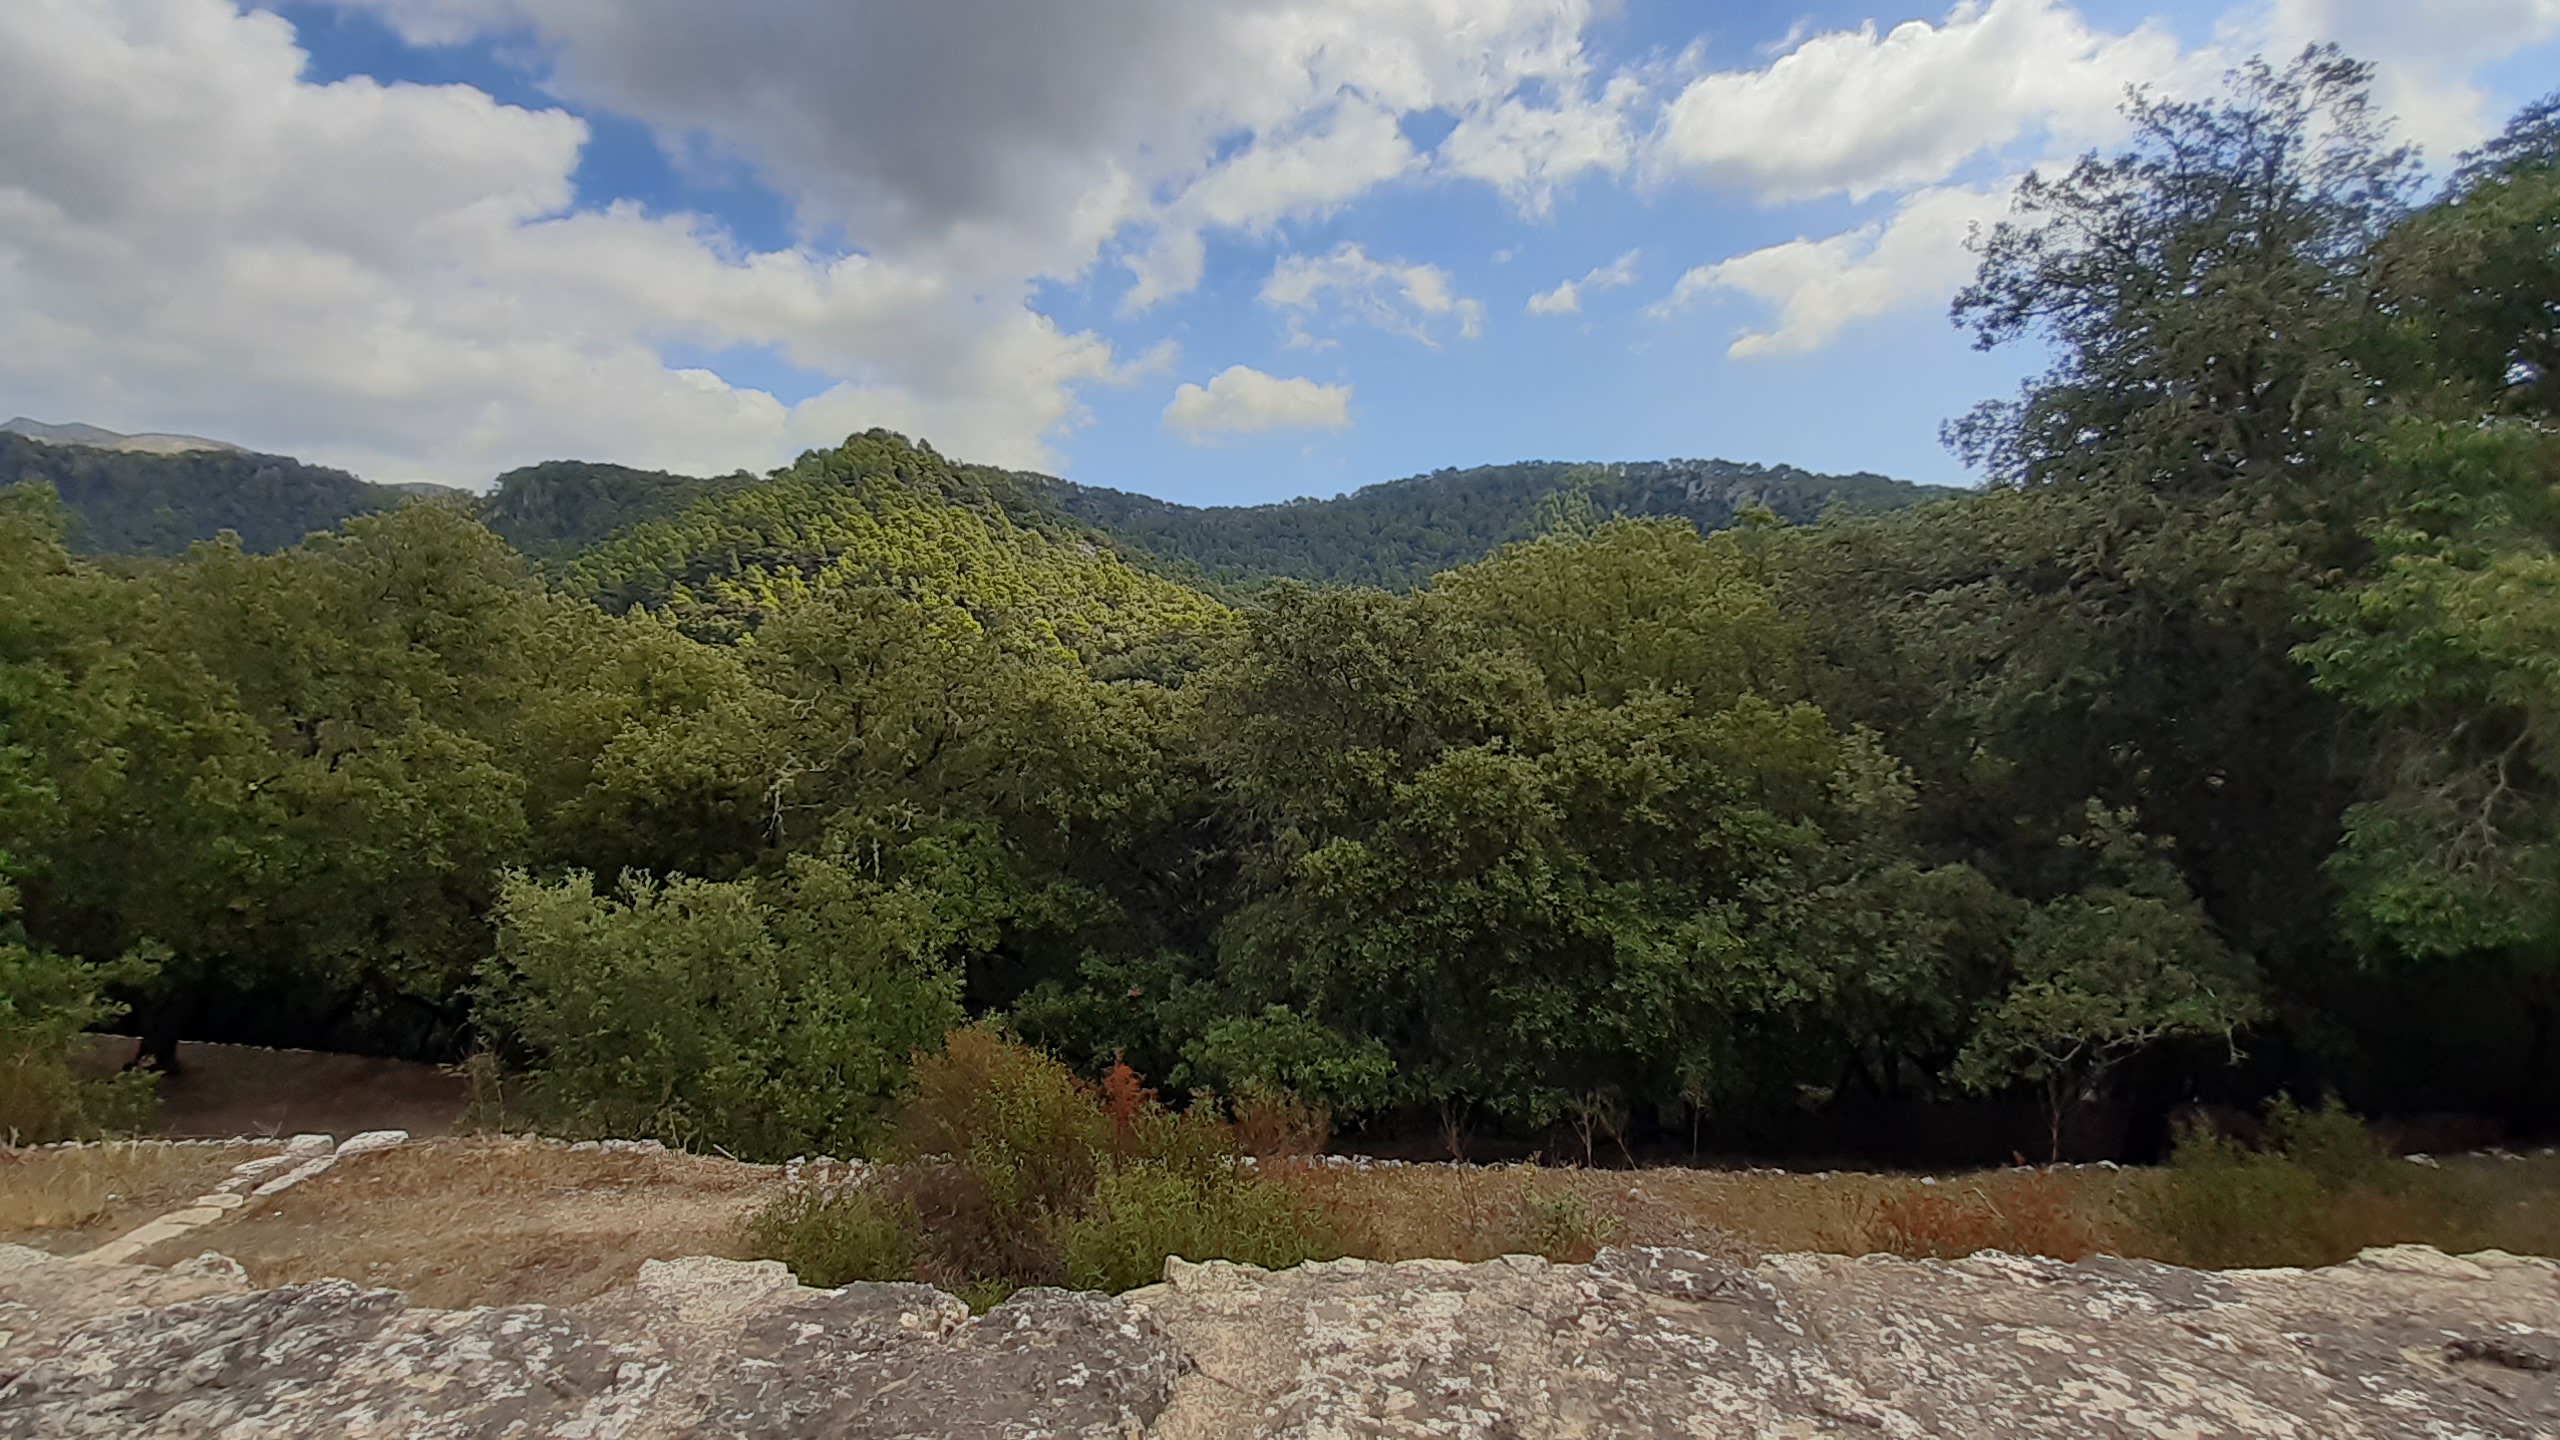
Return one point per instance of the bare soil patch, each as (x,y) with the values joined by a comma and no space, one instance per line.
(461,1222)
(226,1090)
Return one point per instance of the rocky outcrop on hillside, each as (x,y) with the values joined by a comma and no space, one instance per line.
(2402,1342)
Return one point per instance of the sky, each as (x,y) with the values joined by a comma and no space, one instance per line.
(1220,251)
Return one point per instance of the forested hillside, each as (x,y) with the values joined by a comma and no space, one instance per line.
(2211,751)
(138,503)
(560,507)
(1394,535)
(1398,534)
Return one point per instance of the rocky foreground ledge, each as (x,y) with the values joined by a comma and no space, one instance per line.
(2398,1343)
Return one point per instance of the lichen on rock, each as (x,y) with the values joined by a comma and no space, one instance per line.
(1643,1341)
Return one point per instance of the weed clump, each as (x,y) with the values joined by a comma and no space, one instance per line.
(1004,1169)
(2316,1191)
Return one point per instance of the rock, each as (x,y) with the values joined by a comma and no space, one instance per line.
(694,1347)
(2399,1342)
(371,1140)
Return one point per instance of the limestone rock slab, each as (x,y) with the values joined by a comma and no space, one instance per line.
(2404,1342)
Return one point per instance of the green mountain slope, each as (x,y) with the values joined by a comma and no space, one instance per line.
(631,535)
(136,503)
(882,511)
(557,508)
(1398,534)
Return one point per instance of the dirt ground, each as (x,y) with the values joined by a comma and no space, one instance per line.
(469,1220)
(457,1222)
(486,1220)
(226,1090)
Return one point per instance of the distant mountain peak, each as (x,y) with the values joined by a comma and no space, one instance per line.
(99,438)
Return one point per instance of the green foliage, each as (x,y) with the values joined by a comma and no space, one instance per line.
(554,510)
(2450,644)
(128,503)
(2103,974)
(881,513)
(709,1015)
(2465,284)
(1144,1213)
(2202,287)
(1545,838)
(1399,534)
(46,1001)
(832,1237)
(1007,1170)
(1281,1052)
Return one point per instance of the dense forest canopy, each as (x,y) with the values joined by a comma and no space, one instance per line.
(125,502)
(1396,535)
(2213,749)
(1393,535)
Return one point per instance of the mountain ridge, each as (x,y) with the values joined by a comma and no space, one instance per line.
(1392,534)
(101,438)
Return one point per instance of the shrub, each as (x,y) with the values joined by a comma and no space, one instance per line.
(1562,1224)
(835,1237)
(1272,1126)
(1144,1212)
(1016,1119)
(1007,1170)
(2336,1146)
(2319,1190)
(2219,1205)
(46,1002)
(764,1023)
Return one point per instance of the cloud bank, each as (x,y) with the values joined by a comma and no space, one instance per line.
(403,279)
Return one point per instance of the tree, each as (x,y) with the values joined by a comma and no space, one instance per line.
(2205,289)
(1554,835)
(2470,285)
(2105,974)
(2447,643)
(769,1021)
(46,1002)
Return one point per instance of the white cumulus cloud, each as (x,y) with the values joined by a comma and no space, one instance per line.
(1566,297)
(2425,55)
(195,236)
(1008,137)
(1862,112)
(1241,399)
(1819,288)
(1417,301)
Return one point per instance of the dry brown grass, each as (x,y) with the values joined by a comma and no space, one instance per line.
(1474,1213)
(459,1222)
(1478,1212)
(66,1199)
